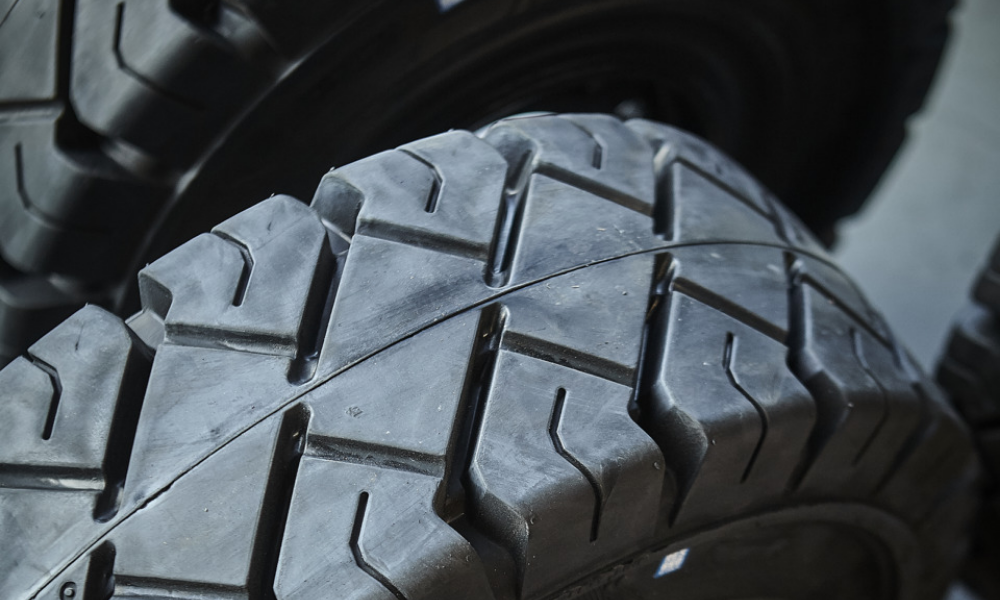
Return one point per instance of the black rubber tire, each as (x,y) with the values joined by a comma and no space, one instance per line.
(127,127)
(563,357)
(969,371)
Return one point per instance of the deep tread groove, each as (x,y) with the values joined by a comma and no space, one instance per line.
(509,221)
(796,345)
(121,438)
(489,332)
(244,282)
(597,158)
(284,471)
(567,357)
(376,455)
(57,390)
(434,196)
(554,421)
(359,559)
(458,509)
(318,309)
(727,363)
(594,187)
(395,232)
(727,307)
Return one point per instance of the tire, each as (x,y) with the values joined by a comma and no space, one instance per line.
(565,357)
(970,372)
(127,127)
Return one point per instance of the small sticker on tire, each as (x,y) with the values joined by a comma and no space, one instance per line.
(671,563)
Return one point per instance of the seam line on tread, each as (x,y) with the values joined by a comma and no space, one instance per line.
(474,306)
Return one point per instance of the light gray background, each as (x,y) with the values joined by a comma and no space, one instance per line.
(926,231)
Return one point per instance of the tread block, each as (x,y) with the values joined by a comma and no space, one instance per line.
(356,531)
(747,282)
(405,420)
(464,199)
(850,403)
(939,452)
(28,44)
(47,527)
(76,385)
(699,209)
(30,306)
(794,231)
(524,452)
(421,194)
(724,416)
(671,145)
(189,410)
(226,296)
(592,152)
(969,370)
(388,290)
(838,289)
(214,529)
(987,289)
(552,239)
(590,319)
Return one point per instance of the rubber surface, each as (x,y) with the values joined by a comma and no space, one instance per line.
(564,356)
(970,372)
(125,126)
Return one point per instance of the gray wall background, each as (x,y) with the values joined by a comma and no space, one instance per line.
(926,231)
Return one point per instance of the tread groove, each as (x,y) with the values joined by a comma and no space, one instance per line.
(593,187)
(244,282)
(359,558)
(281,484)
(554,421)
(727,307)
(727,363)
(57,390)
(434,196)
(509,222)
(376,455)
(395,232)
(567,357)
(317,313)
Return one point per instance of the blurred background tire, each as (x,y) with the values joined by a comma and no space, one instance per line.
(126,127)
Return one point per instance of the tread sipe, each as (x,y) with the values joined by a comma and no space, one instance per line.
(565,356)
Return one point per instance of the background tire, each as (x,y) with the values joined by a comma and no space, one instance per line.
(566,357)
(127,127)
(970,372)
